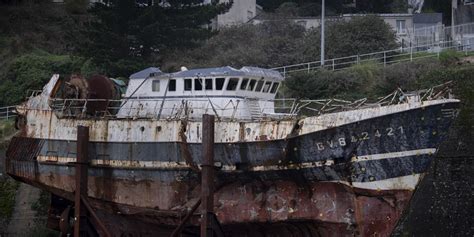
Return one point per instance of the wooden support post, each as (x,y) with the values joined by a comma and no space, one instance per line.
(207,175)
(80,211)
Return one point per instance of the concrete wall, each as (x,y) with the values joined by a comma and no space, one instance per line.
(242,11)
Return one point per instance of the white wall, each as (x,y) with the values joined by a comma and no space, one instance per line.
(240,12)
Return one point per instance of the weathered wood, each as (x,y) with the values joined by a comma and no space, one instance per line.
(207,175)
(80,211)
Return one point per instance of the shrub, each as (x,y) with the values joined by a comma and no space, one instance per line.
(32,71)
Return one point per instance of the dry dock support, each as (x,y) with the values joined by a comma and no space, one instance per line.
(207,175)
(82,209)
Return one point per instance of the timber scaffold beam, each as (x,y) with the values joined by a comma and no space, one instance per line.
(86,221)
(210,226)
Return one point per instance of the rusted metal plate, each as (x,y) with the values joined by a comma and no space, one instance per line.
(268,208)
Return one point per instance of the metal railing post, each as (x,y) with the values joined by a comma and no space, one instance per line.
(411,54)
(333,64)
(308,67)
(384,58)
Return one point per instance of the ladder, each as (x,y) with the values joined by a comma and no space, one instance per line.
(254,109)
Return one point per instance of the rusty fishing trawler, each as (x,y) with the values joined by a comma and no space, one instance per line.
(284,167)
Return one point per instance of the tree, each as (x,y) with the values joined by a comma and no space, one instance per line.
(278,42)
(358,36)
(126,30)
(269,44)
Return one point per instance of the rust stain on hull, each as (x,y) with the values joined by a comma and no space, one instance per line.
(318,208)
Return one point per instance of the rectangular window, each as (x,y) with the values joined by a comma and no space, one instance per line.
(208,83)
(259,86)
(220,83)
(155,85)
(266,87)
(172,85)
(401,27)
(274,87)
(244,83)
(198,84)
(188,84)
(251,85)
(232,85)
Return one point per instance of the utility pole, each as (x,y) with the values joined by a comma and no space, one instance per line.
(454,5)
(322,33)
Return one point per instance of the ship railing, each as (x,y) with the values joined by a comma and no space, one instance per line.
(317,107)
(32,93)
(178,108)
(174,108)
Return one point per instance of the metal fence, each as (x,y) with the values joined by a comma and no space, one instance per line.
(439,33)
(382,57)
(8,112)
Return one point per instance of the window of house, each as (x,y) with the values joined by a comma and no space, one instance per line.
(259,86)
(401,27)
(172,85)
(244,83)
(232,84)
(188,84)
(274,87)
(155,85)
(220,83)
(208,84)
(251,85)
(198,84)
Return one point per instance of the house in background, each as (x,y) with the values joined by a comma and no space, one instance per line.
(428,28)
(241,12)
(463,11)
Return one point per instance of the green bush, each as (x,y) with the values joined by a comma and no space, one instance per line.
(353,83)
(449,57)
(32,71)
(8,189)
(373,81)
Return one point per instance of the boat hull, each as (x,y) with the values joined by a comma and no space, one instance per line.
(351,179)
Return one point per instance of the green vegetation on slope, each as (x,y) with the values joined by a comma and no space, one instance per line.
(8,189)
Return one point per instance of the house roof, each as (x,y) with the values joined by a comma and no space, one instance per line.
(427,18)
(147,72)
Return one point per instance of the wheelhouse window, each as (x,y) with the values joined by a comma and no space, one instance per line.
(172,85)
(198,84)
(208,84)
(232,84)
(274,87)
(155,85)
(267,86)
(251,85)
(188,84)
(244,83)
(259,86)
(220,83)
